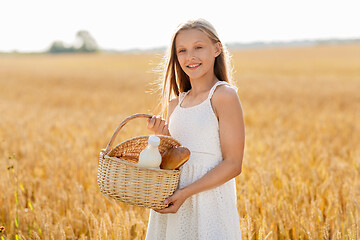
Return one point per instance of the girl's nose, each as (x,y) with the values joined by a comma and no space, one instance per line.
(191,56)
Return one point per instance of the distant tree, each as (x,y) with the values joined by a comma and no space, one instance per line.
(59,47)
(86,42)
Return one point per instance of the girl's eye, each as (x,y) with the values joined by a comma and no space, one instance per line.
(181,50)
(198,47)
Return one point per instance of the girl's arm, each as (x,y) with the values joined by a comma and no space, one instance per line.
(227,107)
(159,125)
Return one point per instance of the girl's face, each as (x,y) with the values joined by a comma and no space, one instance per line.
(196,53)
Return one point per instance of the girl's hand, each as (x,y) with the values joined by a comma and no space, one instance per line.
(102,152)
(158,126)
(176,200)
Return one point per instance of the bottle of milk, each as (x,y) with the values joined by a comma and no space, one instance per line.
(150,157)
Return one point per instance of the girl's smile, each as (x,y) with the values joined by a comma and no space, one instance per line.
(194,66)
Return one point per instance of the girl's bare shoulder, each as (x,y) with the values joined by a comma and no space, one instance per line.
(225,94)
(173,102)
(225,100)
(171,106)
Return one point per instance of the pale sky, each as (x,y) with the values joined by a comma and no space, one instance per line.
(117,24)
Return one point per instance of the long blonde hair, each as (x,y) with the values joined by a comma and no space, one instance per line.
(175,79)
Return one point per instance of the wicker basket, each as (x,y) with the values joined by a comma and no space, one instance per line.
(120,178)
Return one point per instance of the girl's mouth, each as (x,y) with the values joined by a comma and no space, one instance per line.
(194,66)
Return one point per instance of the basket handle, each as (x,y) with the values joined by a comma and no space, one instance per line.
(126,120)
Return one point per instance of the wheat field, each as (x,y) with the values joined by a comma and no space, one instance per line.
(301,169)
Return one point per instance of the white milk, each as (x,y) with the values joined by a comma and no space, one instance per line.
(150,157)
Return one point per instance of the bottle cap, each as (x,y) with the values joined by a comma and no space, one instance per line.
(154,140)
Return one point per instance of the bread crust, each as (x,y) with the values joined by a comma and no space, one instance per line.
(174,158)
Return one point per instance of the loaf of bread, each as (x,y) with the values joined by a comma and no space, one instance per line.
(174,158)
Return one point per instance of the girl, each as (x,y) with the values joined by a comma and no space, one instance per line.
(206,117)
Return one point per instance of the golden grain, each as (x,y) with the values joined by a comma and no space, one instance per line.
(301,170)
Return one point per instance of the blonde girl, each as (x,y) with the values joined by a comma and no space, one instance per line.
(205,115)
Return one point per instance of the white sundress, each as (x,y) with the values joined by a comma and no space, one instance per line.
(211,214)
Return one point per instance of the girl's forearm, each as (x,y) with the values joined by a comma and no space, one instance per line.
(214,178)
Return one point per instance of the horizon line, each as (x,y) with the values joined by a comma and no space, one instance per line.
(229,45)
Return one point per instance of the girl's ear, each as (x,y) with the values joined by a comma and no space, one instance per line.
(218,47)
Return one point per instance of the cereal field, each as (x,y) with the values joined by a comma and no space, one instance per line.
(301,170)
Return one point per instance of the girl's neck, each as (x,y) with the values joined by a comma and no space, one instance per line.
(202,85)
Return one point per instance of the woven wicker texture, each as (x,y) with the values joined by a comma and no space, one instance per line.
(120,178)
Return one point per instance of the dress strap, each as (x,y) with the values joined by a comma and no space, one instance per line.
(182,96)
(212,90)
